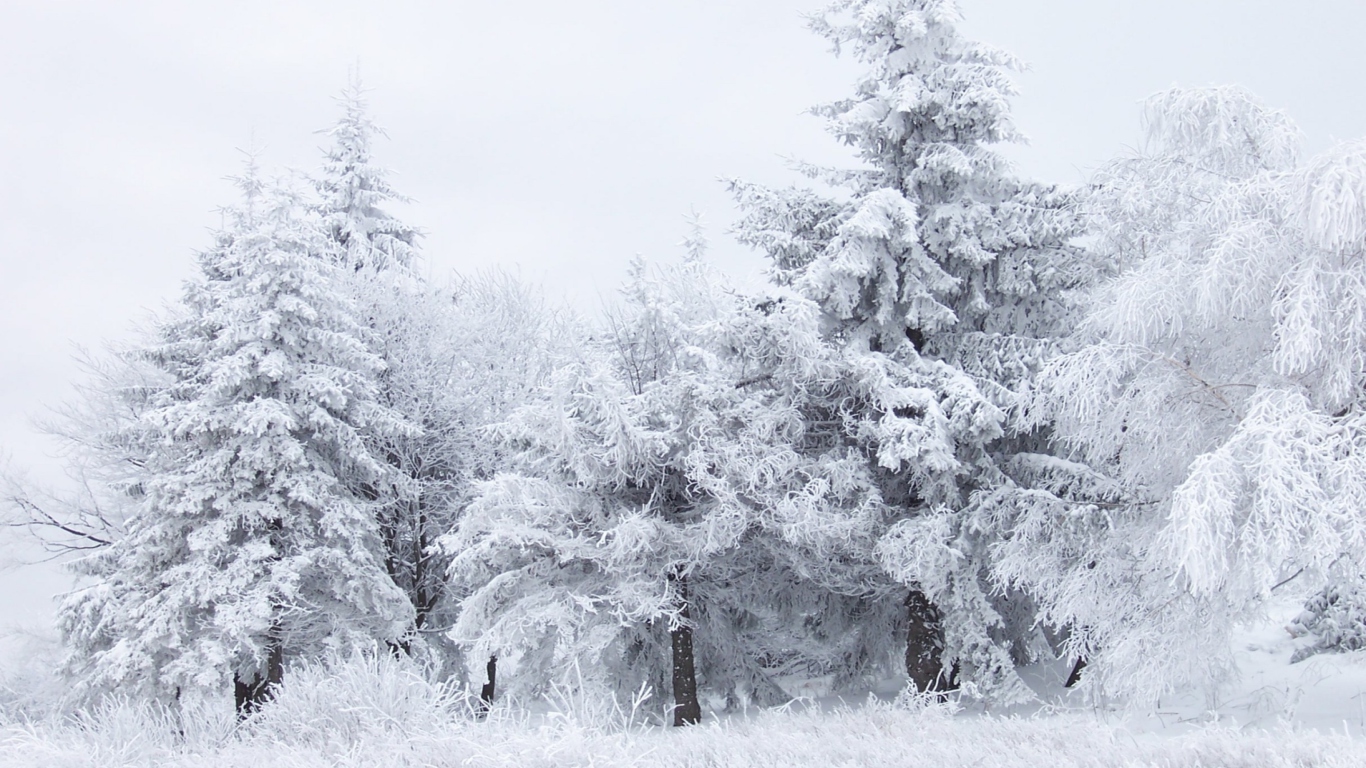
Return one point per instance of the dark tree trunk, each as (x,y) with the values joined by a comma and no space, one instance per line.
(687,710)
(415,570)
(1075,676)
(426,589)
(490,688)
(389,533)
(247,694)
(925,645)
(251,693)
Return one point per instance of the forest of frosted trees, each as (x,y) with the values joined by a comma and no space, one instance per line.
(973,423)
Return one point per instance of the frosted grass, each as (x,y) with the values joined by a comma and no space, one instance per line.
(378,712)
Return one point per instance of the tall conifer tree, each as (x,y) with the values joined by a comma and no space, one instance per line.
(249,544)
(936,261)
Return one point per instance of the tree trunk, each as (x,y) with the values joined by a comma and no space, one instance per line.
(925,645)
(487,692)
(247,694)
(251,693)
(1075,676)
(687,710)
(426,589)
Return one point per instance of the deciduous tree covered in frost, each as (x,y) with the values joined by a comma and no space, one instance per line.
(669,509)
(248,543)
(102,452)
(933,261)
(1215,408)
(459,358)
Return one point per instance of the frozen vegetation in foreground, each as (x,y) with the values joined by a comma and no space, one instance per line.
(873,736)
(381,711)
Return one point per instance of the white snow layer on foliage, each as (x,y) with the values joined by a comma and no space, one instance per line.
(664,460)
(314,468)
(247,527)
(933,263)
(274,460)
(353,189)
(1218,384)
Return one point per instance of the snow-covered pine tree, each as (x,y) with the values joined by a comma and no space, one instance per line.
(248,545)
(352,192)
(580,557)
(1335,617)
(1217,401)
(934,260)
(407,322)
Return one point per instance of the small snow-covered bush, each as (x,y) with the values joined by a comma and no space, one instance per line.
(1335,616)
(346,701)
(591,707)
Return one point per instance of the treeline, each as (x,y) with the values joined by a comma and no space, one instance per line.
(974,423)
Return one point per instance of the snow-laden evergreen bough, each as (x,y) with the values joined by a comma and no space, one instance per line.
(934,261)
(1215,406)
(249,542)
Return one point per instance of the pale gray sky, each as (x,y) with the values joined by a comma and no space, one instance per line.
(553,138)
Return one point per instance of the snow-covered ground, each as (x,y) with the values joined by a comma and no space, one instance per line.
(378,713)
(877,735)
(1326,692)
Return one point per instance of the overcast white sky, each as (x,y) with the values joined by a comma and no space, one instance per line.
(553,138)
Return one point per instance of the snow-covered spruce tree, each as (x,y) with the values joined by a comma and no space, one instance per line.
(933,260)
(249,544)
(1216,404)
(583,554)
(95,430)
(413,329)
(1335,617)
(458,357)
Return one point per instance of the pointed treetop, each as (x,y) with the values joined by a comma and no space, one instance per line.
(354,192)
(926,84)
(934,237)
(249,184)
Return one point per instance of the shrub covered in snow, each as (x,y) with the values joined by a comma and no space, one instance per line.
(1335,616)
